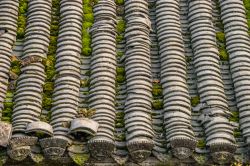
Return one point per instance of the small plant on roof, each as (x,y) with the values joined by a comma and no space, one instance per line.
(86,113)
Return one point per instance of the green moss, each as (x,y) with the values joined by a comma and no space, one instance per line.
(8,104)
(16,70)
(86,42)
(54,30)
(52,49)
(87,25)
(195,101)
(237,133)
(7,112)
(119,120)
(23,6)
(201,144)
(248,14)
(223,54)
(88,17)
(48,86)
(50,74)
(9,94)
(119,38)
(80,159)
(53,40)
(20,33)
(220,36)
(157,90)
(120,137)
(120,115)
(121,25)
(248,24)
(86,51)
(120,78)
(47,102)
(87,9)
(15,63)
(120,54)
(119,125)
(234,117)
(90,2)
(247,4)
(6,119)
(38,158)
(50,61)
(120,70)
(55,3)
(119,2)
(157,104)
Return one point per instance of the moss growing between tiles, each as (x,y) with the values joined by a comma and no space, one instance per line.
(237,133)
(49,63)
(119,38)
(223,54)
(121,25)
(234,117)
(247,4)
(119,2)
(120,54)
(201,144)
(157,104)
(47,102)
(120,77)
(23,7)
(15,69)
(157,90)
(120,137)
(220,36)
(120,114)
(88,20)
(195,101)
(119,121)
(221,41)
(80,159)
(120,71)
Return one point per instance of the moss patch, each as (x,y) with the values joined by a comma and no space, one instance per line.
(120,137)
(119,2)
(21,22)
(223,54)
(201,144)
(235,116)
(80,159)
(157,104)
(157,90)
(195,101)
(121,25)
(220,36)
